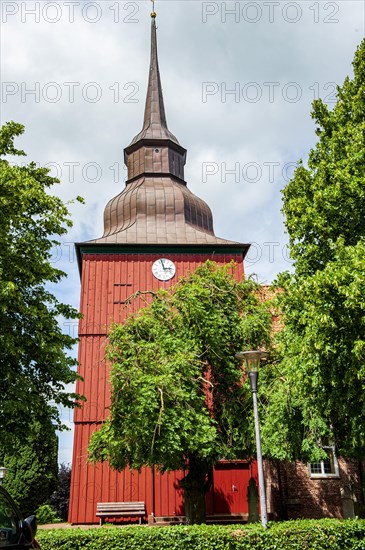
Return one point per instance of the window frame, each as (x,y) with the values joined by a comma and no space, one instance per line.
(335,474)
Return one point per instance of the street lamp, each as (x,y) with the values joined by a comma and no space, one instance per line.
(252,360)
(2,475)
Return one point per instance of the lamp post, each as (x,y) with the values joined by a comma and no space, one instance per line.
(252,360)
(2,474)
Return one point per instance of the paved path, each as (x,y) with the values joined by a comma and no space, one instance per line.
(67,526)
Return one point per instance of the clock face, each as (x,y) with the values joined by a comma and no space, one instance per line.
(163,269)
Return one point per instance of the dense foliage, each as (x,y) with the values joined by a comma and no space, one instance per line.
(318,397)
(32,468)
(46,514)
(298,535)
(34,366)
(325,202)
(61,497)
(177,395)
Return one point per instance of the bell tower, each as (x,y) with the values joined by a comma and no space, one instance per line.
(155,230)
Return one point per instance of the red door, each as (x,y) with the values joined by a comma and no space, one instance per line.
(230,487)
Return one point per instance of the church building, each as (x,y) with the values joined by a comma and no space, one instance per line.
(155,231)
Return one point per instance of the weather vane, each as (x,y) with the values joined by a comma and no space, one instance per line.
(153,14)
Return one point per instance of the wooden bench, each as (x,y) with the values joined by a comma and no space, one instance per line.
(120,509)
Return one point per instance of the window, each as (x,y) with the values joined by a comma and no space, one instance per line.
(327,467)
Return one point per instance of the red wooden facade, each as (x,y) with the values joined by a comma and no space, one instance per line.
(107,281)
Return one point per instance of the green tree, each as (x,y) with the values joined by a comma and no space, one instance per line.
(61,497)
(178,400)
(325,202)
(34,366)
(32,469)
(318,395)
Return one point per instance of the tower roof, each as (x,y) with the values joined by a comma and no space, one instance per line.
(158,211)
(156,207)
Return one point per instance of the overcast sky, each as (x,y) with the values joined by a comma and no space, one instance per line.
(238,81)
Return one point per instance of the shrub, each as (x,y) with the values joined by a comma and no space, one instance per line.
(293,535)
(46,514)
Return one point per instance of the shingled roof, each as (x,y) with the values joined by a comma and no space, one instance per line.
(156,207)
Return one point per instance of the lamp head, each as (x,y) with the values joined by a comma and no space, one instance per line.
(251,359)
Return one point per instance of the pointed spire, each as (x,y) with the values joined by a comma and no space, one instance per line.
(156,208)
(154,124)
(155,110)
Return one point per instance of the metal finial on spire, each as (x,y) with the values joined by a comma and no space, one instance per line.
(153,14)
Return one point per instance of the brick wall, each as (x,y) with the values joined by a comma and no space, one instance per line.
(293,494)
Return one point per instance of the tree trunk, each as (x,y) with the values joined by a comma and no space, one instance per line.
(196,484)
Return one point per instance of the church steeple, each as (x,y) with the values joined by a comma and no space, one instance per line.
(154,124)
(156,207)
(155,133)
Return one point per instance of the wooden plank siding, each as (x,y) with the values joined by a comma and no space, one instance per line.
(108,280)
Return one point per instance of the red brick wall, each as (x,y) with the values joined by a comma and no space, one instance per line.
(293,494)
